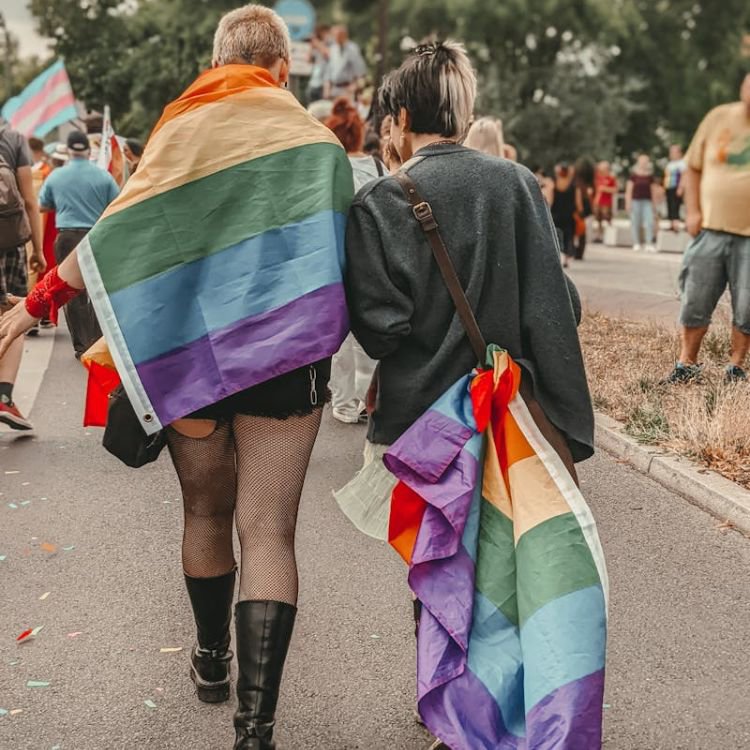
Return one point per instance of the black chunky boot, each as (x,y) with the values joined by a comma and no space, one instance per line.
(210,658)
(264,629)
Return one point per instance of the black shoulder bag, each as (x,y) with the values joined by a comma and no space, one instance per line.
(124,436)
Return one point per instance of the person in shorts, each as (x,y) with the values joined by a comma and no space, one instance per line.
(14,152)
(717,197)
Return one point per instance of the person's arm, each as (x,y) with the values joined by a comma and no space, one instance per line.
(694,218)
(380,311)
(694,160)
(579,201)
(60,285)
(629,196)
(26,188)
(548,190)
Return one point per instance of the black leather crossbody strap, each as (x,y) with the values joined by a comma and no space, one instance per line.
(423,213)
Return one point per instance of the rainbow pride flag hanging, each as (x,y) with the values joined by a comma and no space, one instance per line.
(504,556)
(219,266)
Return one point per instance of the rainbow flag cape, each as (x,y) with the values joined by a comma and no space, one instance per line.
(46,103)
(219,266)
(504,556)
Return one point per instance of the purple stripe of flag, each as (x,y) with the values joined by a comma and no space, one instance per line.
(464,715)
(246,353)
(570,717)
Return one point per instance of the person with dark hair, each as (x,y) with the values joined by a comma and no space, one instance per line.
(352,369)
(497,230)
(639,203)
(585,171)
(566,202)
(133,152)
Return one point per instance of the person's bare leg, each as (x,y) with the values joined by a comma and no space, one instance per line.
(740,347)
(10,363)
(691,344)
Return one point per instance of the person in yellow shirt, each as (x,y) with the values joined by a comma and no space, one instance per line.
(717,197)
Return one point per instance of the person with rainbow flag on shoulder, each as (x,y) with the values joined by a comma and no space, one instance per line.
(481,408)
(217,280)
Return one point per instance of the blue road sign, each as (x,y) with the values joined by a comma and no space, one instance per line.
(299,16)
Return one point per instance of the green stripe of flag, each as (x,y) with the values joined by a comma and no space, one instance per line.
(495,564)
(208,215)
(552,560)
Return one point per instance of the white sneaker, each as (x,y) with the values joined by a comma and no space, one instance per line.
(637,248)
(651,249)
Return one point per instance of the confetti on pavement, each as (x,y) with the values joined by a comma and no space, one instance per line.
(44,596)
(3,711)
(69,548)
(8,473)
(76,634)
(47,547)
(37,683)
(25,502)
(30,633)
(3,558)
(149,703)
(25,484)
(13,506)
(170,650)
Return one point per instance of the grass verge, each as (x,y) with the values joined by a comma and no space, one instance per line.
(708,422)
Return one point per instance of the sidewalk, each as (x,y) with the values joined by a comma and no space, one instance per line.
(622,283)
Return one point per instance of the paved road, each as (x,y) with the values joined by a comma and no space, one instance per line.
(680,619)
(620,282)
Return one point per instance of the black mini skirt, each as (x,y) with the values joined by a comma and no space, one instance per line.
(296,393)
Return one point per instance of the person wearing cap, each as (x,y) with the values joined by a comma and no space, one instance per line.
(78,193)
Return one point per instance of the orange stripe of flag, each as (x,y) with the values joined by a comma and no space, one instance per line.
(214,85)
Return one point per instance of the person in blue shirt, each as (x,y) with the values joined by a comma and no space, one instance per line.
(79,193)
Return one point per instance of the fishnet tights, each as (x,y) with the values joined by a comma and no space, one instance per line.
(255,468)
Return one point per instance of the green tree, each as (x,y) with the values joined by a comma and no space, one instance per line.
(92,37)
(687,56)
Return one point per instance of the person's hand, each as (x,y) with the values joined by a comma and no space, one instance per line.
(14,323)
(694,223)
(37,262)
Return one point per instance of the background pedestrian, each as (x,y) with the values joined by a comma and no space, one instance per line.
(639,203)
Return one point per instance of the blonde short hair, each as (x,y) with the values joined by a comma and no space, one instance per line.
(252,35)
(486,135)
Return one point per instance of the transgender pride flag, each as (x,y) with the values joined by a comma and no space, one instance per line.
(46,103)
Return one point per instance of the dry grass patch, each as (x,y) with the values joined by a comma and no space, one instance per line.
(707,421)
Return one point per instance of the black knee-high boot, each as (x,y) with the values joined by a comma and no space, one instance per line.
(210,659)
(263,629)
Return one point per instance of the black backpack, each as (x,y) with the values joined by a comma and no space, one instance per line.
(15,229)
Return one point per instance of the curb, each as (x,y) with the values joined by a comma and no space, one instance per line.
(705,489)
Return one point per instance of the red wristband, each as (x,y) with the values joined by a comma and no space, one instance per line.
(49,295)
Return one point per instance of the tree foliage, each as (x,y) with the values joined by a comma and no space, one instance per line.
(602,77)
